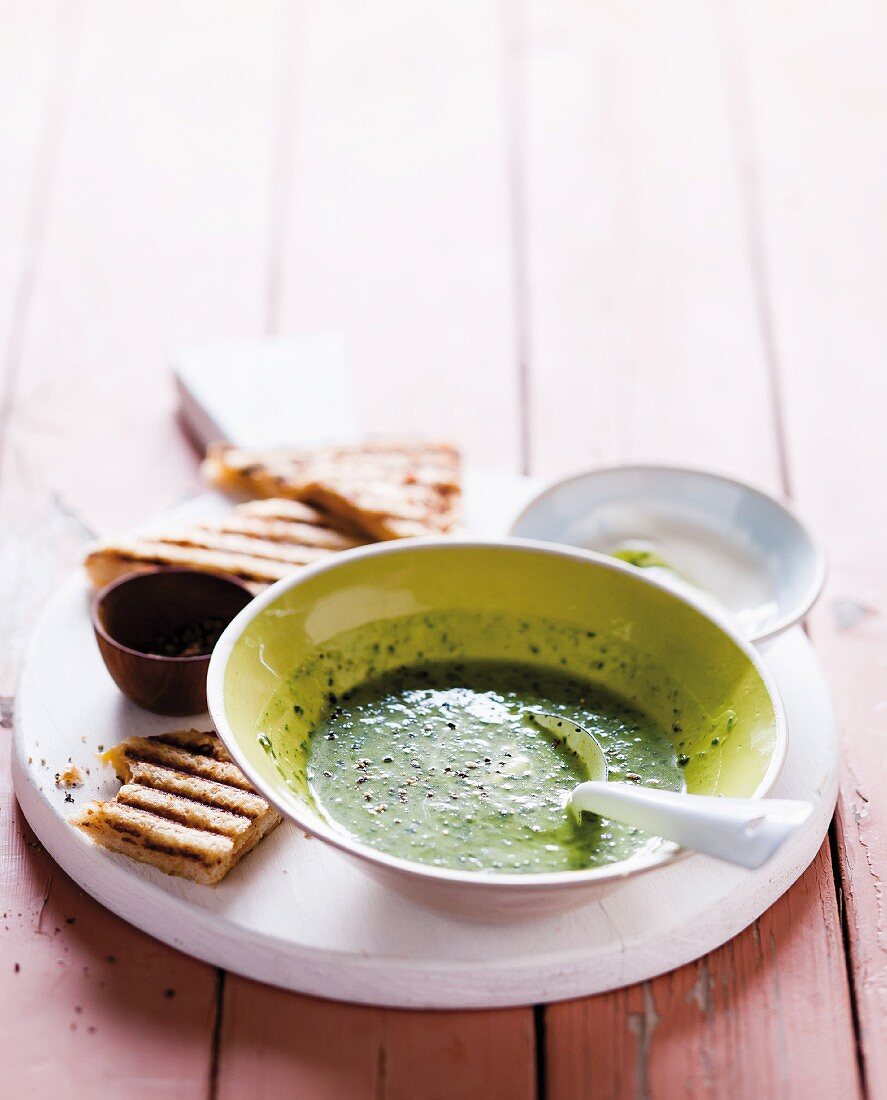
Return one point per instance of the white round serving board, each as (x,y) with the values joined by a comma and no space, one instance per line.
(297,914)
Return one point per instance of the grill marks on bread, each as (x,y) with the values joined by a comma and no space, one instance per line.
(258,542)
(312,503)
(387,489)
(184,806)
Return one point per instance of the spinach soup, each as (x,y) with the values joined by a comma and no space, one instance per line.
(437,761)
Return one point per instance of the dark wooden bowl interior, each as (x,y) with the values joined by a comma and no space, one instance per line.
(133,615)
(142,609)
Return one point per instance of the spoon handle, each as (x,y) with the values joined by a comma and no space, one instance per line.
(746,831)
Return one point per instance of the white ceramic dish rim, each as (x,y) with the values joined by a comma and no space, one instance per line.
(663,854)
(790,618)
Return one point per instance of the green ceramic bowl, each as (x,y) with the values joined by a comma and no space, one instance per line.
(648,642)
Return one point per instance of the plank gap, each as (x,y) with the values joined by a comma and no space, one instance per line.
(541,1052)
(65,52)
(511,68)
(847,950)
(215,1043)
(381,1089)
(283,163)
(736,86)
(738,93)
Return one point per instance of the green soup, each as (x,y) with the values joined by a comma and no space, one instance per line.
(439,763)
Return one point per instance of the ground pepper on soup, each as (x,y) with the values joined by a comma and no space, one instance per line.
(438,762)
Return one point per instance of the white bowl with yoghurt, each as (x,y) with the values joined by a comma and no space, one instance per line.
(696,532)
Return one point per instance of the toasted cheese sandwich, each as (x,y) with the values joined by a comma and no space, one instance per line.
(387,489)
(258,542)
(184,807)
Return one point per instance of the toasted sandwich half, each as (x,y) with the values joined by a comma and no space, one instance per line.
(258,542)
(387,489)
(184,807)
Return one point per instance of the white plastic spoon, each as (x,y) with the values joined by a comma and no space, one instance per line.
(745,831)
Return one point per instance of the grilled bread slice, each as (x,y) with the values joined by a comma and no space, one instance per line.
(184,806)
(258,542)
(387,489)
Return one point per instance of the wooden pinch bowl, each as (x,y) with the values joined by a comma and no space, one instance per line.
(130,614)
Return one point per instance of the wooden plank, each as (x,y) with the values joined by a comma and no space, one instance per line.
(153,202)
(287,1045)
(733,1025)
(646,343)
(396,235)
(31,82)
(161,214)
(438,1055)
(397,232)
(86,1001)
(284,1044)
(816,93)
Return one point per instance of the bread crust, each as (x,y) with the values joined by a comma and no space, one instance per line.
(387,489)
(184,807)
(257,545)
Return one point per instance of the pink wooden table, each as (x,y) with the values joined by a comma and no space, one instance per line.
(562,233)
